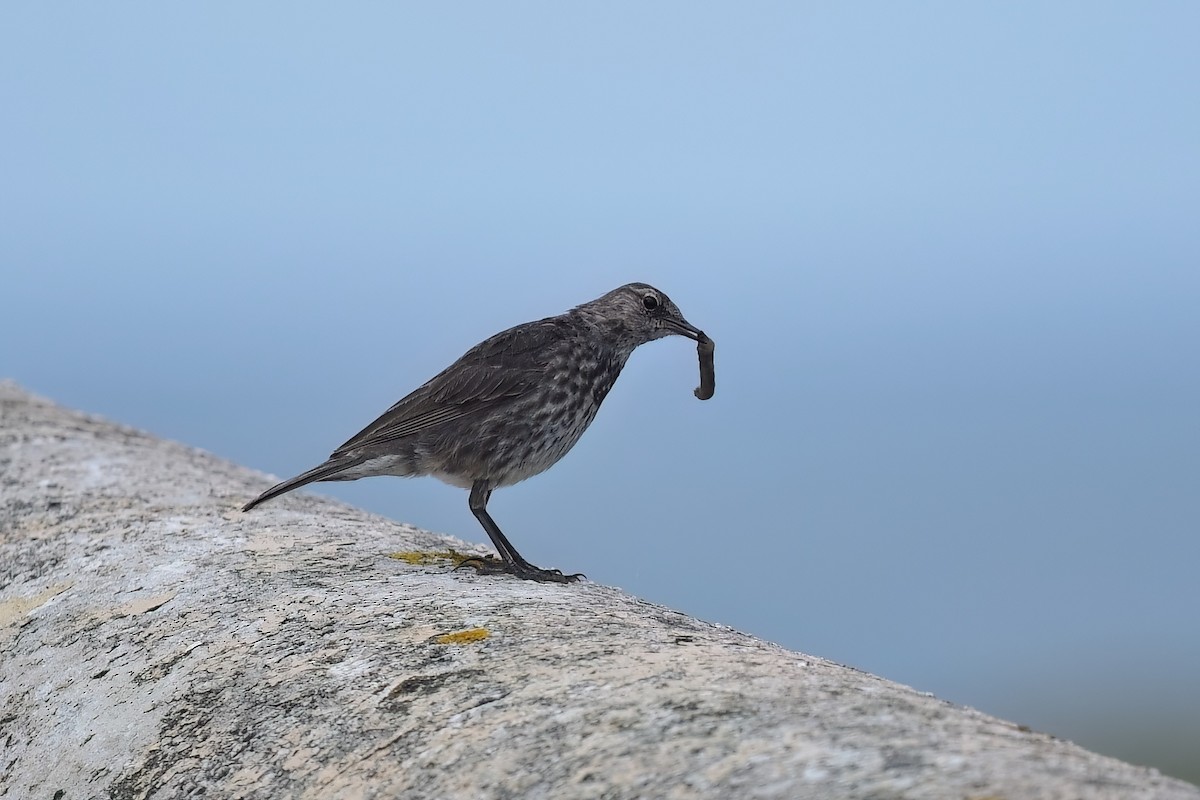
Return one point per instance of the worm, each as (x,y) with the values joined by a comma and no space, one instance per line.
(708,375)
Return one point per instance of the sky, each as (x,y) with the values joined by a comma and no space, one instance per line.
(949,254)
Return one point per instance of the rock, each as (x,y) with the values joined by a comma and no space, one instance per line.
(155,641)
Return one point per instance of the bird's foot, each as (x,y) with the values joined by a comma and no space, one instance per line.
(490,565)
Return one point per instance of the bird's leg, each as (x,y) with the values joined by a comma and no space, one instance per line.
(511,561)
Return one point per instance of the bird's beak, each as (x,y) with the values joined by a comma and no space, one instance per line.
(684,328)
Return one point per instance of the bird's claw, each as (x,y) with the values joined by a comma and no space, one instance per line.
(490,565)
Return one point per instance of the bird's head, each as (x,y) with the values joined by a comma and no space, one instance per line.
(638,313)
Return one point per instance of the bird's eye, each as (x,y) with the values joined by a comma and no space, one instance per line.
(650,302)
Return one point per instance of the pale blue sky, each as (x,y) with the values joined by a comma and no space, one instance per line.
(949,253)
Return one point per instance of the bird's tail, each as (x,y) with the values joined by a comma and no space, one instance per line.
(323,472)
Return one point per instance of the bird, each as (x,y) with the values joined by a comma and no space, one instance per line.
(508,409)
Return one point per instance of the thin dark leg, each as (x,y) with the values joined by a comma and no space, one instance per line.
(480,495)
(511,561)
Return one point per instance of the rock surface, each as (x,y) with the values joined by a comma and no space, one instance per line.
(156,642)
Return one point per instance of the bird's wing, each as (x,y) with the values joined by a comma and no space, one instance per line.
(490,374)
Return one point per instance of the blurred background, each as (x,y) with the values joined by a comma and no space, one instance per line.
(950,255)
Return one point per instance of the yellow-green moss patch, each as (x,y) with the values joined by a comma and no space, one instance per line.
(463,637)
(423,557)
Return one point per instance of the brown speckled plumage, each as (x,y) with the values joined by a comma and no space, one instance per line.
(510,408)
